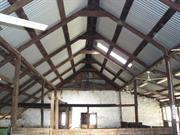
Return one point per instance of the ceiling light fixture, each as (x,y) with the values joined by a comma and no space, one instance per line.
(142,85)
(114,55)
(22,22)
(161,81)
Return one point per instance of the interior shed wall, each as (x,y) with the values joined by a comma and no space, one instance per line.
(149,110)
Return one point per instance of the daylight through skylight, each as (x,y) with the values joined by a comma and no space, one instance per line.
(114,55)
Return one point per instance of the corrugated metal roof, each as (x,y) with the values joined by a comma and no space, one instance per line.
(126,76)
(53,41)
(96,66)
(79,58)
(99,58)
(4,4)
(72,6)
(77,46)
(113,67)
(67,74)
(32,57)
(128,40)
(64,67)
(144,14)
(18,34)
(42,68)
(115,7)
(136,68)
(56,82)
(33,88)
(108,74)
(7,70)
(61,56)
(79,67)
(23,79)
(77,27)
(149,54)
(51,76)
(169,35)
(43,11)
(106,27)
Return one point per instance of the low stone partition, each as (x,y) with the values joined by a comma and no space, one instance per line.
(121,131)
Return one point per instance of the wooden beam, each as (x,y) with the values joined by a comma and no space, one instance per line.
(42,102)
(137,32)
(171,94)
(6,45)
(109,58)
(111,43)
(20,12)
(18,4)
(118,29)
(47,105)
(65,30)
(136,102)
(171,4)
(93,61)
(15,94)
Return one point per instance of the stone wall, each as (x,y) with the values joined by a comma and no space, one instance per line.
(149,110)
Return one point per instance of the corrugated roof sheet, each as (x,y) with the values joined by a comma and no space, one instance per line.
(128,40)
(144,14)
(53,41)
(4,4)
(43,11)
(169,35)
(115,7)
(106,27)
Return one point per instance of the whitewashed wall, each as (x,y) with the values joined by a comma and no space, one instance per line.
(107,117)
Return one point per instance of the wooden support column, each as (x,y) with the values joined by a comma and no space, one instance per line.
(136,102)
(56,110)
(163,118)
(42,102)
(15,93)
(52,111)
(70,118)
(171,94)
(120,109)
(67,117)
(88,121)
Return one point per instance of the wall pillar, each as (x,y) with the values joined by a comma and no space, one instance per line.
(15,93)
(171,94)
